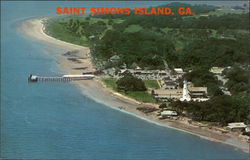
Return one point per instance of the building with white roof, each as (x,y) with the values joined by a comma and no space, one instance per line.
(168,113)
(179,70)
(236,126)
(217,70)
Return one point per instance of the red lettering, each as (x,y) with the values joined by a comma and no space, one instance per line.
(185,11)
(92,11)
(168,11)
(59,11)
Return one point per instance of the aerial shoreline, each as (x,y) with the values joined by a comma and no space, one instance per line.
(96,90)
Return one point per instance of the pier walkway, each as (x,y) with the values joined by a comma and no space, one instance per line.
(64,78)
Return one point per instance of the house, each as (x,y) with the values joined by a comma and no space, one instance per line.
(217,70)
(170,85)
(138,68)
(110,71)
(114,59)
(238,126)
(162,72)
(168,113)
(166,94)
(167,78)
(179,70)
(197,92)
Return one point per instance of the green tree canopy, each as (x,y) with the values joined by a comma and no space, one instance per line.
(130,83)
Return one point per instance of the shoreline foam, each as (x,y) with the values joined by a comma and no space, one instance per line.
(97,91)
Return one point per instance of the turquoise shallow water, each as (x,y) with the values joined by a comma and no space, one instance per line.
(55,121)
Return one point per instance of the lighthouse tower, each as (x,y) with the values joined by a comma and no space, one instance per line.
(185,94)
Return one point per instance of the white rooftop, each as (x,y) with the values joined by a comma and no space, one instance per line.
(217,70)
(178,70)
(169,113)
(236,125)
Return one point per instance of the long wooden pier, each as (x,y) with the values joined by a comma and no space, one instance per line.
(65,78)
(57,79)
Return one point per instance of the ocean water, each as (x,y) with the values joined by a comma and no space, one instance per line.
(55,121)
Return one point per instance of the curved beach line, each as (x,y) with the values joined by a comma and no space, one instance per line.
(34,28)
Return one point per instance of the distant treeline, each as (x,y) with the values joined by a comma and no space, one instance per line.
(198,9)
(228,21)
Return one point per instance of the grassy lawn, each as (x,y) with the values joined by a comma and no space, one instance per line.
(151,84)
(220,11)
(225,10)
(140,96)
(181,36)
(137,95)
(95,20)
(57,29)
(133,28)
(110,83)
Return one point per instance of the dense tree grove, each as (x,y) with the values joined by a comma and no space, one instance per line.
(222,109)
(130,83)
(146,48)
(238,80)
(215,52)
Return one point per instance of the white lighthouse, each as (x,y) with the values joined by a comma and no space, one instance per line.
(185,94)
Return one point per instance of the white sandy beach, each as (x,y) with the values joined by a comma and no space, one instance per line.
(34,29)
